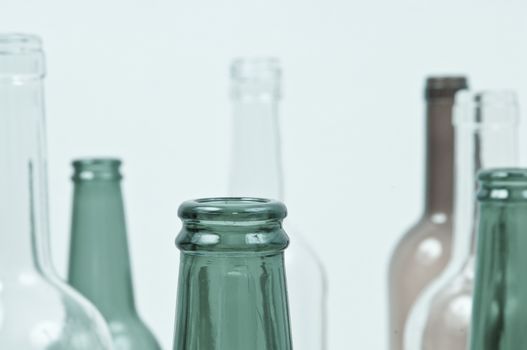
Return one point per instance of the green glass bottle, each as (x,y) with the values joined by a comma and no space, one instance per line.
(99,265)
(499,318)
(232,289)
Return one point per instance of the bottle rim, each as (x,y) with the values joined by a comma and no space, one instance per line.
(503,176)
(232,209)
(19,43)
(96,169)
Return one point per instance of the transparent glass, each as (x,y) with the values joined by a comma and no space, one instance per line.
(232,291)
(37,310)
(256,171)
(499,317)
(99,265)
(486,125)
(424,251)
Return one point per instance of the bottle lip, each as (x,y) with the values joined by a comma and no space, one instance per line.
(19,43)
(232,209)
(492,108)
(503,176)
(86,169)
(445,86)
(255,77)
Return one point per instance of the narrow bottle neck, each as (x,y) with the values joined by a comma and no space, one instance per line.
(487,139)
(256,167)
(439,156)
(24,245)
(232,302)
(99,259)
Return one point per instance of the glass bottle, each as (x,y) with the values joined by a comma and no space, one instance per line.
(423,252)
(499,317)
(232,287)
(37,310)
(486,125)
(99,265)
(256,171)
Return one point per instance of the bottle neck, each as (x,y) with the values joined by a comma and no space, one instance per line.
(24,245)
(256,167)
(232,302)
(99,264)
(439,157)
(500,295)
(486,137)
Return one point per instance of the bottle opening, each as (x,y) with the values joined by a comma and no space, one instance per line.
(444,86)
(504,176)
(232,209)
(96,169)
(16,43)
(21,58)
(486,108)
(258,76)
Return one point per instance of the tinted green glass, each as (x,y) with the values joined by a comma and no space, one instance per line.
(499,319)
(99,260)
(232,291)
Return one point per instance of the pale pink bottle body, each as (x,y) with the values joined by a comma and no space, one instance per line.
(424,251)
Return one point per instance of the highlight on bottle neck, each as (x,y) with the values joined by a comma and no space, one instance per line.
(441,87)
(96,169)
(232,224)
(503,185)
(256,78)
(21,58)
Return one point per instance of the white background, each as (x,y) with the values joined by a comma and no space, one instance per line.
(147,81)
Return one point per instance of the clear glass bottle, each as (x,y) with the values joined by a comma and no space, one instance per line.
(486,128)
(37,310)
(424,251)
(232,291)
(499,317)
(256,171)
(99,264)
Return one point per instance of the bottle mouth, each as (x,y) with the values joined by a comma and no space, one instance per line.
(231,210)
(87,169)
(504,176)
(17,43)
(488,108)
(21,58)
(256,77)
(444,86)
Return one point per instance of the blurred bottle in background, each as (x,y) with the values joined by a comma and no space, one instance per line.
(99,265)
(38,311)
(232,285)
(486,136)
(500,294)
(423,252)
(256,171)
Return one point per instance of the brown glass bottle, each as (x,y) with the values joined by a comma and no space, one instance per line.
(423,252)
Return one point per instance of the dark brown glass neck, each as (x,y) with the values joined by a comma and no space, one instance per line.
(440,93)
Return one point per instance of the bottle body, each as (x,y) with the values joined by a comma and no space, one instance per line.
(499,307)
(256,171)
(99,265)
(424,251)
(486,126)
(37,310)
(232,290)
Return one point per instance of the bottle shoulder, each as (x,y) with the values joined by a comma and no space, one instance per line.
(49,312)
(131,333)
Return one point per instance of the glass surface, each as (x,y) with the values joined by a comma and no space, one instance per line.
(499,318)
(486,125)
(232,288)
(424,251)
(99,265)
(37,310)
(256,171)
